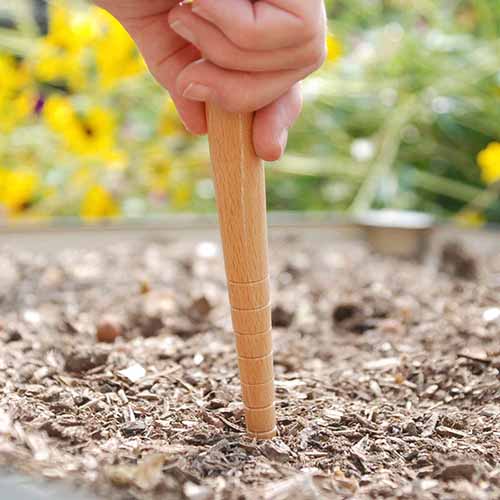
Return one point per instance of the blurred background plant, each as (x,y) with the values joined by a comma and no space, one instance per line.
(404,114)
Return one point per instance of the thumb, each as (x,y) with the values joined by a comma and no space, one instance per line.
(235,91)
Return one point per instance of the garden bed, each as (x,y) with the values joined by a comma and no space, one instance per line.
(387,373)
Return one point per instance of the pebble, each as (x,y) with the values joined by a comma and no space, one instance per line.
(492,314)
(109,329)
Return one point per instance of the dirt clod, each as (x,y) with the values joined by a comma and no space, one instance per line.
(281,317)
(458,262)
(81,360)
(347,311)
(454,472)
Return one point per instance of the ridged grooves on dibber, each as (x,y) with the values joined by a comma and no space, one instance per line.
(248,296)
(241,201)
(252,321)
(254,346)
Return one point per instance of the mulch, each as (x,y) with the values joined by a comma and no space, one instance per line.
(387,374)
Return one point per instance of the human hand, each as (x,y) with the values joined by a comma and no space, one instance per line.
(241,55)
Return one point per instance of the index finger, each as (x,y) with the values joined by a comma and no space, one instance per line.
(265,24)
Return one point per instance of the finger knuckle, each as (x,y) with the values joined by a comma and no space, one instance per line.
(217,57)
(246,37)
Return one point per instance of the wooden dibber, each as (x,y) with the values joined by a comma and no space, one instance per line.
(241,201)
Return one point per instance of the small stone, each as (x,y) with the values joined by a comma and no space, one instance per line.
(281,317)
(109,329)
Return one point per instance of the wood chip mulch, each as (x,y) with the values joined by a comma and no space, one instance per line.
(387,373)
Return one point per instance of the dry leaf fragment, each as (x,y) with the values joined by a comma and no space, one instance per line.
(133,373)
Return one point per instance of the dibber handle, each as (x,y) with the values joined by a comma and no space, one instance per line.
(241,201)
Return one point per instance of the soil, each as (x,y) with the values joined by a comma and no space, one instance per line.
(387,374)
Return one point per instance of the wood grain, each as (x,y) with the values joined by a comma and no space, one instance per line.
(241,201)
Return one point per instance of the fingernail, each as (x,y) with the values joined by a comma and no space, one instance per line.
(282,140)
(197,92)
(183,31)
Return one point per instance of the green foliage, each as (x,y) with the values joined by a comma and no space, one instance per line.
(398,121)
(406,111)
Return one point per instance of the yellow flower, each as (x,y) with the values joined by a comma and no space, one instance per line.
(470,218)
(15,76)
(61,54)
(89,134)
(489,163)
(16,110)
(94,132)
(53,64)
(116,54)
(334,48)
(17,189)
(69,29)
(17,99)
(98,203)
(58,113)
